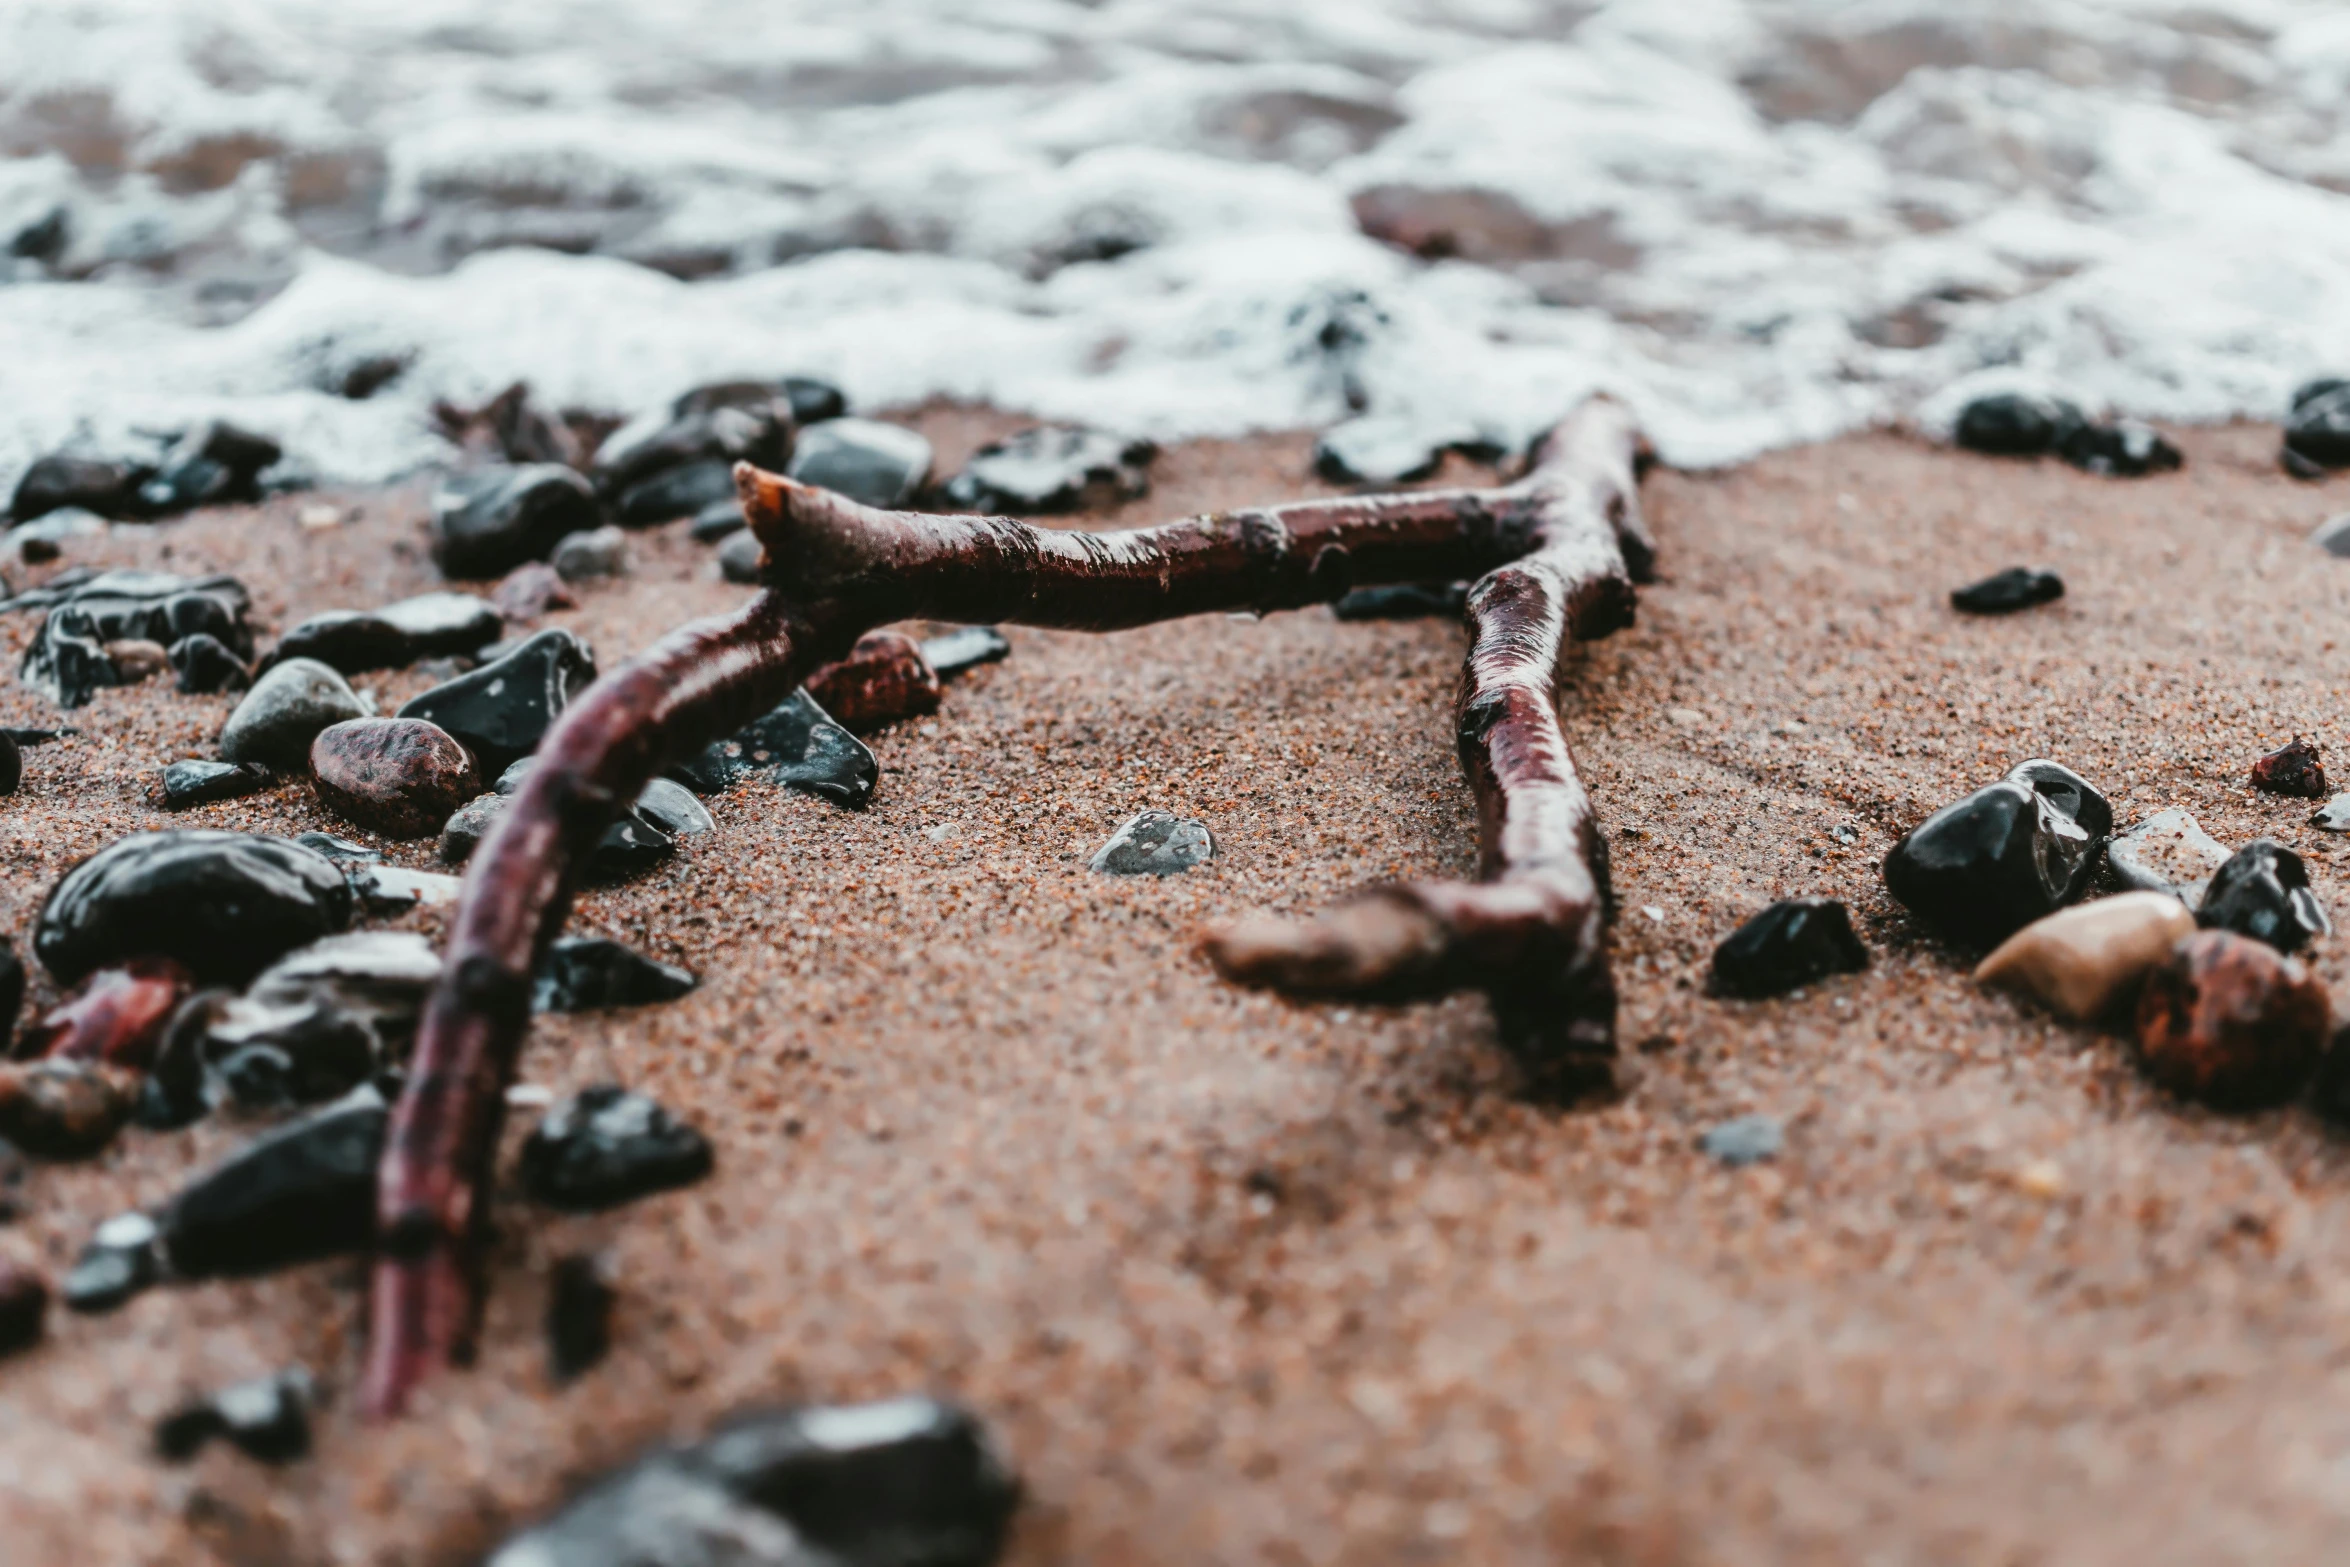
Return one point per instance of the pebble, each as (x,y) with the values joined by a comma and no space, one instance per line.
(200,782)
(966,647)
(513,425)
(120,1262)
(799,746)
(2333,534)
(284,712)
(267,1418)
(335,1013)
(1154,843)
(2333,816)
(2263,892)
(580,1298)
(11,763)
(486,524)
(629,846)
(45,538)
(878,464)
(297,1192)
(207,466)
(12,982)
(116,1017)
(400,777)
(2167,852)
(225,904)
(905,1483)
(659,466)
(427,626)
(2232,1023)
(393,889)
(529,591)
(136,659)
(1981,869)
(2318,428)
(884,679)
(813,400)
(2074,797)
(24,1307)
(173,1093)
(205,664)
(337,849)
(1793,942)
(2085,962)
(463,832)
(1053,468)
(598,552)
(1377,449)
(1744,1140)
(678,492)
(2124,449)
(741,557)
(1407,601)
(67,660)
(16,1173)
(607,1146)
(108,487)
(2293,769)
(721,519)
(2016,424)
(503,709)
(2018,587)
(65,1108)
(672,809)
(582,973)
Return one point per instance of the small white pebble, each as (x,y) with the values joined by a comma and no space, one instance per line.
(316,516)
(1653,912)
(529,1096)
(1686,717)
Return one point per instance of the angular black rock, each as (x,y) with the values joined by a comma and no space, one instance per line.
(267,1418)
(580,973)
(1410,601)
(205,664)
(878,464)
(226,904)
(106,486)
(2003,593)
(120,1262)
(812,400)
(906,1483)
(1053,468)
(608,1146)
(2318,429)
(199,782)
(430,625)
(2263,892)
(486,524)
(2075,798)
(2016,424)
(580,1298)
(1793,943)
(1377,450)
(1154,843)
(11,764)
(2125,449)
(332,1015)
(11,992)
(798,745)
(173,1093)
(67,660)
(965,647)
(501,711)
(295,1193)
(211,464)
(676,492)
(275,722)
(1980,870)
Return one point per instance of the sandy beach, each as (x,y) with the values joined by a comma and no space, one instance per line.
(1241,1281)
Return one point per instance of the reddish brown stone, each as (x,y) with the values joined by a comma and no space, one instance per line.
(64,1108)
(2232,1022)
(530,590)
(24,1300)
(399,776)
(2295,769)
(117,1017)
(884,679)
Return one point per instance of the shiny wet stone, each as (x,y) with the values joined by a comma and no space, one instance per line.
(295,1193)
(199,782)
(2004,593)
(580,1298)
(580,973)
(2232,1023)
(67,662)
(607,1146)
(2016,424)
(430,625)
(120,1262)
(204,664)
(966,647)
(2295,768)
(284,712)
(397,776)
(265,1418)
(1981,869)
(225,904)
(2124,449)
(502,710)
(330,1017)
(1794,942)
(24,1307)
(485,524)
(2317,430)
(1053,468)
(1154,843)
(2263,892)
(863,459)
(798,745)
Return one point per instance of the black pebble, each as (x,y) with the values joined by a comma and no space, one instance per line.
(2018,587)
(608,1146)
(297,1192)
(226,904)
(2262,891)
(2016,424)
(580,1298)
(1981,869)
(200,782)
(966,647)
(11,992)
(119,1263)
(11,764)
(485,525)
(1410,601)
(1790,944)
(67,660)
(2125,449)
(502,710)
(2317,431)
(2074,797)
(16,1171)
(205,664)
(1052,468)
(799,746)
(580,973)
(268,1418)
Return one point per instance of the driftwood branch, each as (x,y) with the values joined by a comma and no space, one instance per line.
(1561,546)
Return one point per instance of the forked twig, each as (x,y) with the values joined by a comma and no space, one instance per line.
(1561,546)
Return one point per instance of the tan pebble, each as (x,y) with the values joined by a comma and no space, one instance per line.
(2041,1178)
(1686,717)
(320,517)
(134,660)
(2084,961)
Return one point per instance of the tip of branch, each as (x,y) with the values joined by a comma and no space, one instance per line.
(1381,944)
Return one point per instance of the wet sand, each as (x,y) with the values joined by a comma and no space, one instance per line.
(1242,1281)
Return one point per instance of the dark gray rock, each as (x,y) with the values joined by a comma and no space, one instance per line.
(486,524)
(799,746)
(677,492)
(338,1011)
(199,782)
(210,465)
(463,832)
(580,1298)
(1747,1139)
(285,711)
(2125,449)
(812,399)
(2016,424)
(296,1193)
(863,459)
(907,1483)
(1982,869)
(718,520)
(598,552)
(2263,892)
(1154,843)
(67,659)
(205,664)
(740,557)
(965,647)
(1405,601)
(2074,797)
(1053,468)
(2317,431)
(24,1307)
(583,973)
(502,710)
(2005,592)
(225,904)
(668,465)
(1793,943)
(45,537)
(11,764)
(672,809)
(427,626)
(266,1418)
(606,1147)
(107,486)
(120,1262)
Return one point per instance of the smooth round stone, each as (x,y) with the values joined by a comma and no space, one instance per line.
(2230,1022)
(1794,942)
(2083,962)
(1155,843)
(607,1147)
(225,904)
(2167,852)
(1981,869)
(2263,892)
(2004,593)
(597,552)
(462,833)
(863,459)
(284,712)
(397,776)
(425,626)
(485,525)
(2318,428)
(1744,1140)
(2074,797)
(710,427)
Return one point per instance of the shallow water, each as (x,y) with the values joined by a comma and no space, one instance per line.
(1764,221)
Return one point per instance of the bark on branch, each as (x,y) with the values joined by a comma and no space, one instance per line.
(1558,550)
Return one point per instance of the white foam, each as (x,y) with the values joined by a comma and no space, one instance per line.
(1762,221)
